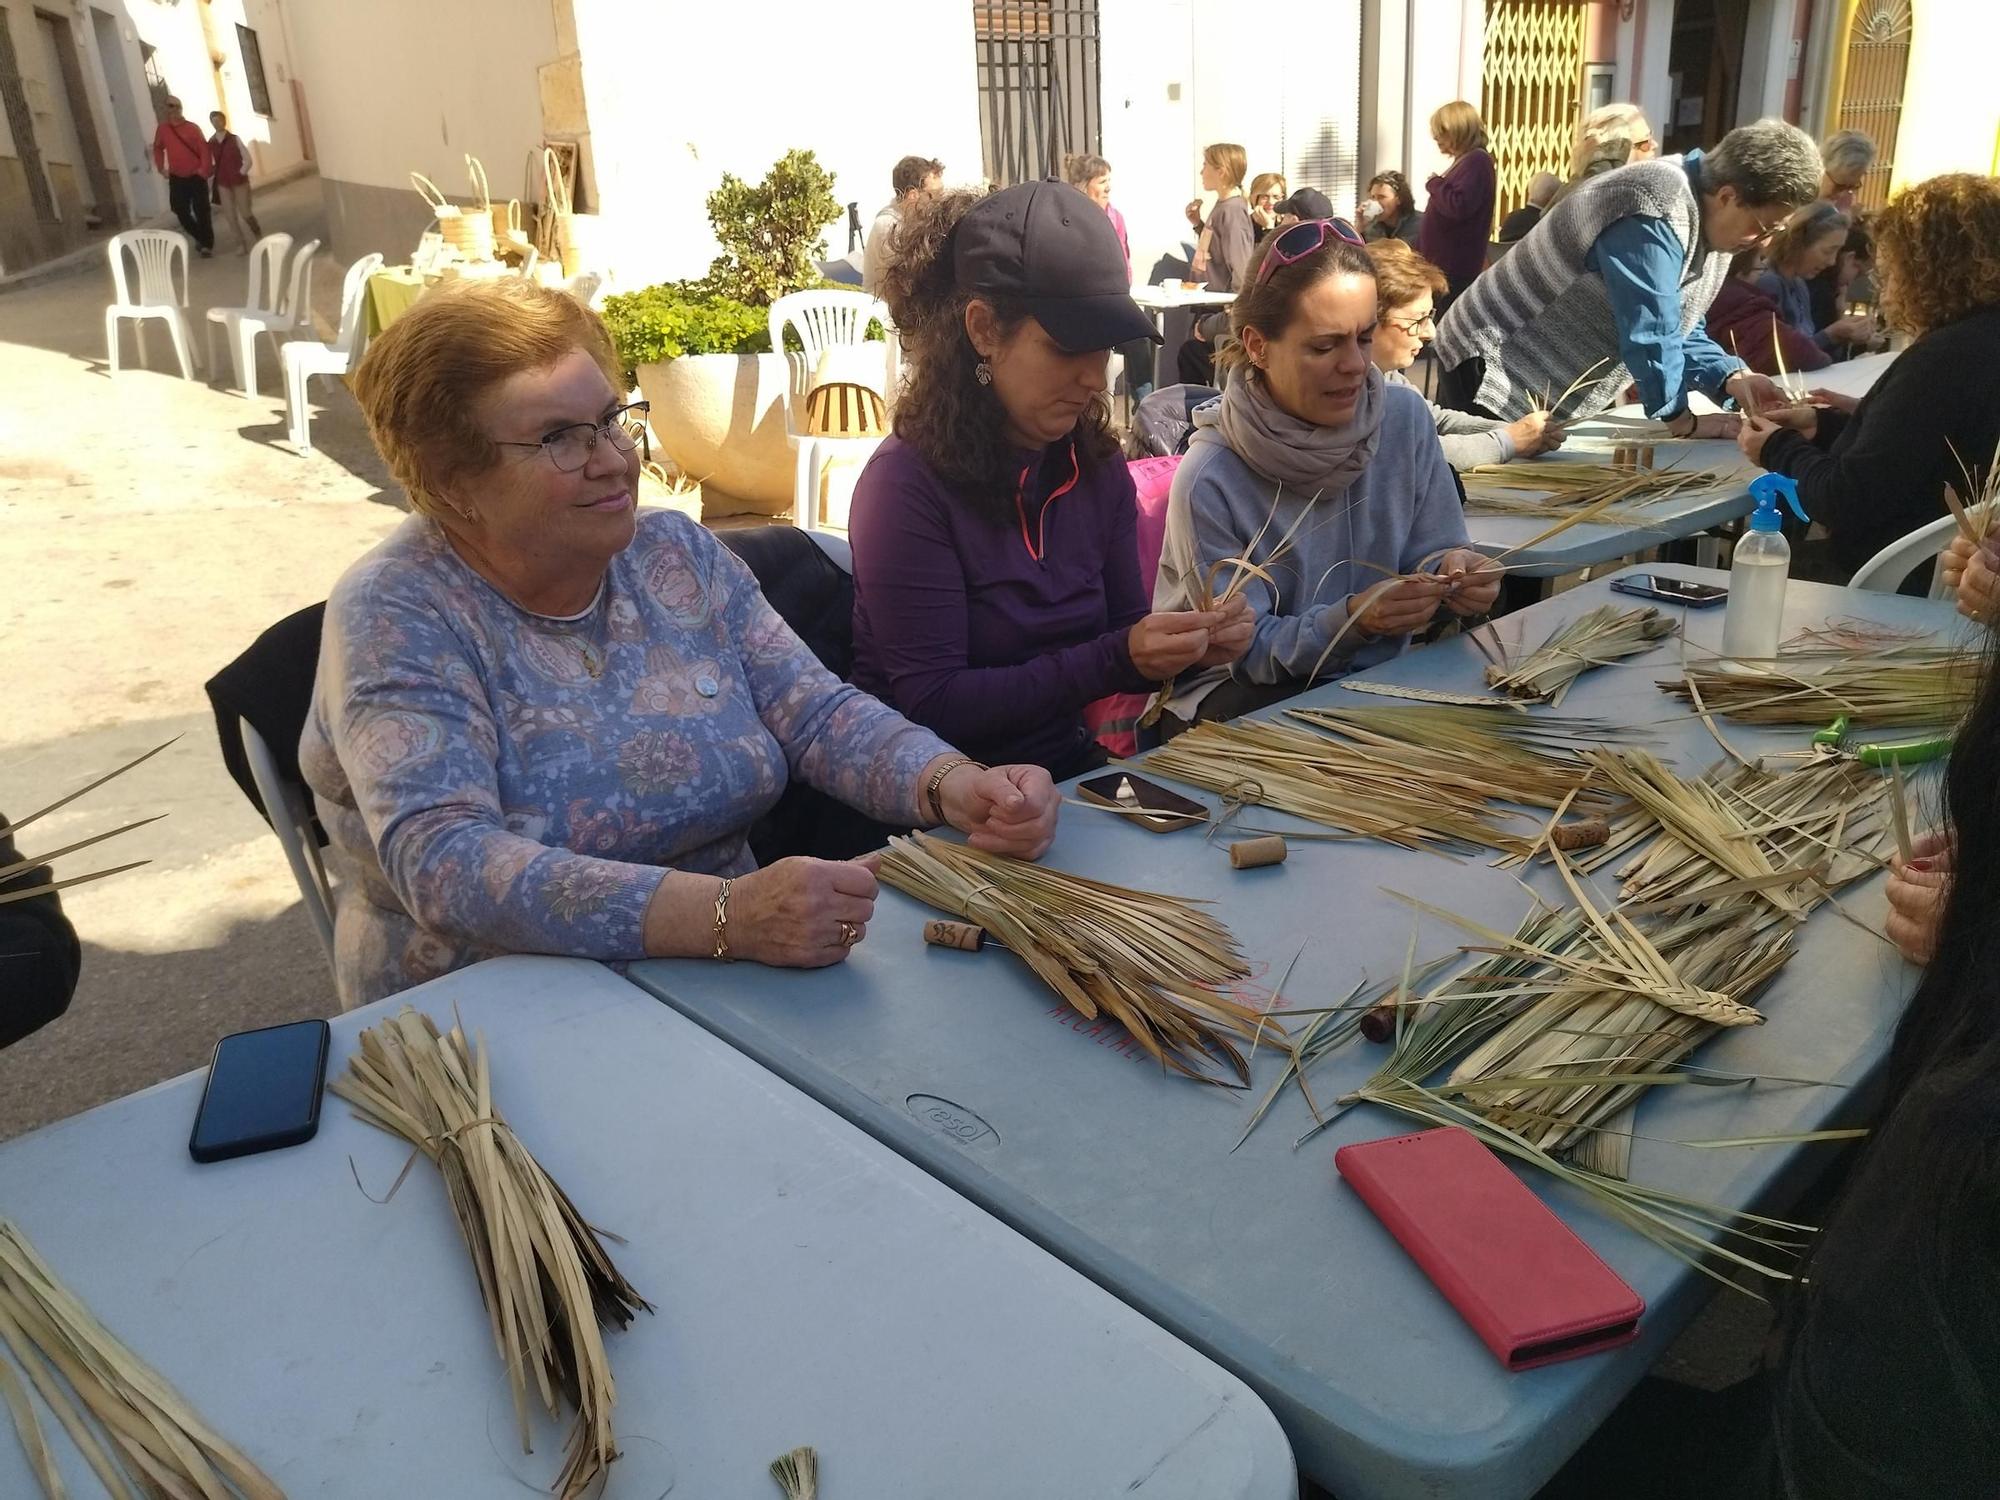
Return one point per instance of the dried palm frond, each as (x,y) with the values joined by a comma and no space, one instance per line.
(137,1433)
(547,1281)
(1893,685)
(1605,634)
(797,1474)
(1415,798)
(1543,750)
(20,866)
(1154,963)
(1560,485)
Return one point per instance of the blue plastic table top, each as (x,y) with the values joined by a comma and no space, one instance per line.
(1668,520)
(1262,1258)
(811,1286)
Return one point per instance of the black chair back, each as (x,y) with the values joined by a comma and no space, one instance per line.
(270,686)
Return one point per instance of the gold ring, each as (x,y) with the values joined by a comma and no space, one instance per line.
(849,934)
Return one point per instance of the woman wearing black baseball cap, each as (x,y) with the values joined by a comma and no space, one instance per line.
(996,571)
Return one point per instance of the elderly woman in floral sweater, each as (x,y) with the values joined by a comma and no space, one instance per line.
(544,723)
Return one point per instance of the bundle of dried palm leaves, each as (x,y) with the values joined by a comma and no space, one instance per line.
(1156,964)
(547,1281)
(133,1428)
(1377,774)
(1891,684)
(1557,487)
(1606,634)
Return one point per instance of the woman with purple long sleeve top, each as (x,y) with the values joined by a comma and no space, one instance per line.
(996,572)
(1458,216)
(544,723)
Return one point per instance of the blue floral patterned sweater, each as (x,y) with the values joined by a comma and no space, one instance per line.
(496,781)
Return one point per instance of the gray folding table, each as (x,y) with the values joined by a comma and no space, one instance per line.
(1262,1258)
(811,1287)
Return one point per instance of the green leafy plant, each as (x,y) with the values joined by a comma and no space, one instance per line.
(773,234)
(664,322)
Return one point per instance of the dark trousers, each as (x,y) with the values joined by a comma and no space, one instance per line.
(189,197)
(1197,363)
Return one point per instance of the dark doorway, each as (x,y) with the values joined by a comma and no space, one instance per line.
(1705,64)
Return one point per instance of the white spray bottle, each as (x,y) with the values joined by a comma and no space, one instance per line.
(1756,612)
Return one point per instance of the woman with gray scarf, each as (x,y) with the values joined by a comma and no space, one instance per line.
(1308,425)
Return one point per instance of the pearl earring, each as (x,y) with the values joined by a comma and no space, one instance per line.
(983,373)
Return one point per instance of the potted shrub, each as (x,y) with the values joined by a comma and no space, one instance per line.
(700,351)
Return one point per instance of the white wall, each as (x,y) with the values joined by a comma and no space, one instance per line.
(114,71)
(1951,108)
(678,96)
(395,86)
(1147,74)
(276,148)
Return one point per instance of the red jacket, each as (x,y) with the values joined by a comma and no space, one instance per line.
(229,160)
(1741,320)
(180,150)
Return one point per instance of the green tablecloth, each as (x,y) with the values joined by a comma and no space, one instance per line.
(392,291)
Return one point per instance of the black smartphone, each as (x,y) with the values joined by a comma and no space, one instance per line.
(1670,590)
(1147,802)
(263,1091)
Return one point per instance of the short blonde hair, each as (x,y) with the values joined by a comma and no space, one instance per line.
(1402,275)
(1230,159)
(421,383)
(1267,182)
(1458,125)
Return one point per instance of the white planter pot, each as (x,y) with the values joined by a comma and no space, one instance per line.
(721,419)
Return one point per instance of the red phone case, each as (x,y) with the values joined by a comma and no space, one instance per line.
(1532,1291)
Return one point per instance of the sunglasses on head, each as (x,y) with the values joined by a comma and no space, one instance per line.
(1303,239)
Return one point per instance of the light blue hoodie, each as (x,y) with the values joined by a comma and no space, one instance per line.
(1403,508)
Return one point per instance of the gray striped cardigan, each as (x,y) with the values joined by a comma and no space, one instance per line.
(1540,319)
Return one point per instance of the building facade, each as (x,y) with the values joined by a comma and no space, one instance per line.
(81,85)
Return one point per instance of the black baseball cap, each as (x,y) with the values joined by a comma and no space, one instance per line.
(1307,203)
(1047,246)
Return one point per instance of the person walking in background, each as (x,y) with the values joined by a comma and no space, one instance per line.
(1610,137)
(180,154)
(229,171)
(1542,192)
(1846,158)
(1221,256)
(1612,286)
(1458,215)
(915,177)
(1388,211)
(1805,247)
(1406,286)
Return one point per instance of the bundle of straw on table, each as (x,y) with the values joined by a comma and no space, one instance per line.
(1156,964)
(1606,634)
(1417,796)
(1557,487)
(133,1428)
(1889,685)
(547,1281)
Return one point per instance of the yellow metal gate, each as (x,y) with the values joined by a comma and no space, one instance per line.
(1532,89)
(1872,73)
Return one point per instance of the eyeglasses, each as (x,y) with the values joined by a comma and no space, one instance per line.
(1428,320)
(1301,240)
(569,448)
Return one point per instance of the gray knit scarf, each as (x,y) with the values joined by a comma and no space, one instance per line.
(1295,453)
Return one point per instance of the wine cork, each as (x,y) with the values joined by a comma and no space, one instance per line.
(1646,456)
(1621,456)
(1265,849)
(1585,833)
(962,935)
(1378,1023)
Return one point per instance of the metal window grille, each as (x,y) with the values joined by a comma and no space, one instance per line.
(1871,87)
(1531,94)
(1039,97)
(253,69)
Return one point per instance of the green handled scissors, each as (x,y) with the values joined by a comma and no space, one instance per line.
(1831,744)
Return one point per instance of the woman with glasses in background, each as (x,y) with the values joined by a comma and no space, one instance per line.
(544,723)
(1406,289)
(1309,424)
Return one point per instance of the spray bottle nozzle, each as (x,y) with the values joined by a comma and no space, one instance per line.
(1765,489)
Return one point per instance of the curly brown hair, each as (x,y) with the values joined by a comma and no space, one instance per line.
(956,424)
(1937,251)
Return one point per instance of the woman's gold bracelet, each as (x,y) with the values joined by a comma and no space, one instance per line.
(722,921)
(932,800)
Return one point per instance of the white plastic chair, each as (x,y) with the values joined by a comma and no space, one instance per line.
(154,252)
(290,808)
(824,320)
(305,358)
(1885,571)
(261,309)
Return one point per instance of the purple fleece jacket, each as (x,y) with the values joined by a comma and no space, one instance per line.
(995,633)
